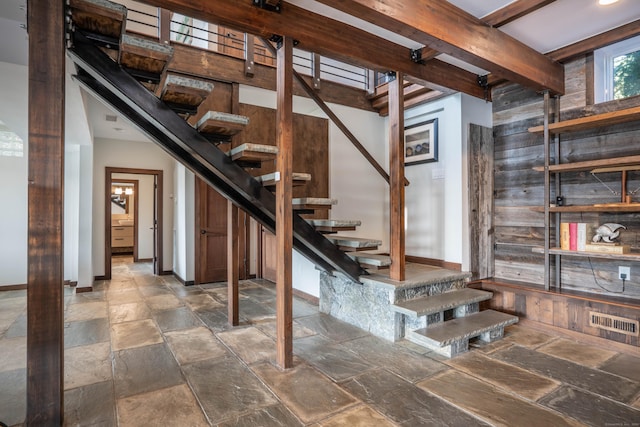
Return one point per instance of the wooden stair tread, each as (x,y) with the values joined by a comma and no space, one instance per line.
(253,152)
(185,91)
(354,242)
(375,260)
(216,122)
(463,328)
(441,302)
(145,59)
(270,179)
(335,222)
(101,17)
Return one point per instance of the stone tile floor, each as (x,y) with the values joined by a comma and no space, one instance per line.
(146,351)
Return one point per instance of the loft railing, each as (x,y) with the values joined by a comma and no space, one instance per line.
(149,21)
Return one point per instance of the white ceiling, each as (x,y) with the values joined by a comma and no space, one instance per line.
(556,25)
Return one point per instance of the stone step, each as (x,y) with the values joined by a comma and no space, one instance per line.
(184,94)
(451,338)
(269,180)
(252,155)
(311,204)
(349,244)
(214,124)
(144,59)
(371,260)
(102,21)
(334,225)
(441,302)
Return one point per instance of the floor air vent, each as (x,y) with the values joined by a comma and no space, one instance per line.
(613,323)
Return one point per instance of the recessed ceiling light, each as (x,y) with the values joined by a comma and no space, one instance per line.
(607,2)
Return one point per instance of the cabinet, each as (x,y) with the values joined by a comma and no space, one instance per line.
(122,236)
(620,165)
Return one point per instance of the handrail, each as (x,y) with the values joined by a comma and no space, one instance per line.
(336,120)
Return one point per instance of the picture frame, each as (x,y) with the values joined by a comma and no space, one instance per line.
(421,143)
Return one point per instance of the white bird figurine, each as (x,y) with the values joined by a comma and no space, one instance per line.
(607,232)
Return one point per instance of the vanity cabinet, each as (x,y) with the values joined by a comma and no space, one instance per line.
(122,236)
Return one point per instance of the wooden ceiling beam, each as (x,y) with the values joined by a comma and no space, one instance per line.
(446,28)
(328,37)
(513,11)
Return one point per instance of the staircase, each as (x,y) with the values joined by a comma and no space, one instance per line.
(129,73)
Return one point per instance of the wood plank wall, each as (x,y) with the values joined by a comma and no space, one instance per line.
(518,187)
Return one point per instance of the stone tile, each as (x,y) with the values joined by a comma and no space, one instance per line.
(138,333)
(637,403)
(250,344)
(302,308)
(570,373)
(143,369)
(128,312)
(273,416)
(526,337)
(13,396)
(406,364)
(179,318)
(87,364)
(259,294)
(202,301)
(154,290)
(331,328)
(591,409)
(18,293)
(307,393)
(362,416)
(624,365)
(270,328)
(191,345)
(148,281)
(163,302)
(91,405)
(13,354)
(18,328)
(92,296)
(519,381)
(256,311)
(124,296)
(488,403)
(583,354)
(86,332)
(220,294)
(331,359)
(151,408)
(216,320)
(86,311)
(404,403)
(210,380)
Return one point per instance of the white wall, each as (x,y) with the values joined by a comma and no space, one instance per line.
(135,155)
(13,177)
(357,186)
(184,223)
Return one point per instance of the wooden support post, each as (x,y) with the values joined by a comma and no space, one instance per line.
(249,55)
(284,209)
(315,73)
(45,302)
(164,26)
(233,264)
(396,177)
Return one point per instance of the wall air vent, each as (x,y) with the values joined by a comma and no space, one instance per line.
(111,118)
(614,323)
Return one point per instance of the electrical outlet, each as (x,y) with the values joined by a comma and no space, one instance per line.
(626,271)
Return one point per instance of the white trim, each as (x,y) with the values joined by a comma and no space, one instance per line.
(603,66)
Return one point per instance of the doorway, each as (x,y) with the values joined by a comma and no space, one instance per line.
(125,231)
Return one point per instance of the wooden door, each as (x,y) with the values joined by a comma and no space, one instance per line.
(211,236)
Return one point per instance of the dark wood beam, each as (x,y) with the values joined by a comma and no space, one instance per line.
(249,54)
(449,29)
(45,279)
(233,264)
(325,36)
(284,208)
(396,174)
(585,46)
(513,11)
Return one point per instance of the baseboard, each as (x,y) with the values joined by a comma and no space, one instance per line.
(435,262)
(71,283)
(167,273)
(143,260)
(13,287)
(184,282)
(307,297)
(83,289)
(100,278)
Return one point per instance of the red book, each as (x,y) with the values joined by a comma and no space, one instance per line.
(573,236)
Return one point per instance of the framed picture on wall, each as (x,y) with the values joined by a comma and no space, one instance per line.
(421,143)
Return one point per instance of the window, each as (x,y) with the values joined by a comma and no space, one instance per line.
(11,145)
(617,70)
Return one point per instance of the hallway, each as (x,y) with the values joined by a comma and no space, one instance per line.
(145,350)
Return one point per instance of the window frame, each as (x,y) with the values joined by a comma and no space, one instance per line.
(603,67)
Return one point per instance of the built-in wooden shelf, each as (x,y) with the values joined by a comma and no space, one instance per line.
(631,207)
(590,122)
(611,165)
(558,251)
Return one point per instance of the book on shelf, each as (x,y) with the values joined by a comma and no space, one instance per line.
(574,236)
(608,248)
(583,238)
(564,236)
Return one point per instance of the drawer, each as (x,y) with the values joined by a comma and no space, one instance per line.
(122,231)
(119,242)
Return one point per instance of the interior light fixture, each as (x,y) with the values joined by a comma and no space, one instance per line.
(606,2)
(117,191)
(128,191)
